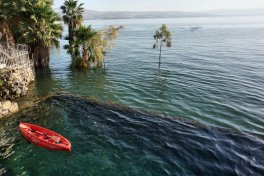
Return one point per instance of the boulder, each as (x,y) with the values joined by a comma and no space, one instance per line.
(18,91)
(6,105)
(14,107)
(24,91)
(6,92)
(4,112)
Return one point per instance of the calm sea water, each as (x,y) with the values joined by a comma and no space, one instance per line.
(213,73)
(213,77)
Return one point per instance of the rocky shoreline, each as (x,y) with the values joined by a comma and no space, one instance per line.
(8,107)
(14,83)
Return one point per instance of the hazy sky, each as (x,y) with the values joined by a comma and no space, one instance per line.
(165,5)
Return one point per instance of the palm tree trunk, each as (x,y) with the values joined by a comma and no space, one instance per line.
(7,35)
(82,61)
(41,57)
(70,33)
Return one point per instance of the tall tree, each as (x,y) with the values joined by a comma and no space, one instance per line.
(162,37)
(73,16)
(40,30)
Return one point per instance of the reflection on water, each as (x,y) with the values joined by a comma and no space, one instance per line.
(110,140)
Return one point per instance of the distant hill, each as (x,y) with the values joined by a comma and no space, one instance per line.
(94,15)
(89,14)
(235,12)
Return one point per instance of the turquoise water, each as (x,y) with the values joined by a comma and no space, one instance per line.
(210,88)
(109,140)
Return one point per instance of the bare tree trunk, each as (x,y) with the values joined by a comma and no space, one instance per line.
(7,35)
(160,55)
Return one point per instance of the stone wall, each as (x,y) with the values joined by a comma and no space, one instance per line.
(14,83)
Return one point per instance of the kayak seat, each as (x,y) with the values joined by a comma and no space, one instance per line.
(56,139)
(32,132)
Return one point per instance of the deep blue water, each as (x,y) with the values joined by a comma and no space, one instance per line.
(207,96)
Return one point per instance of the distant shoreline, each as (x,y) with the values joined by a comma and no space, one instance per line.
(112,15)
(174,17)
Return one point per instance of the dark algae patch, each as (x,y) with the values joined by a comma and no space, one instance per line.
(112,140)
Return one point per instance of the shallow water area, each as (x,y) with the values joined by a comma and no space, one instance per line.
(111,140)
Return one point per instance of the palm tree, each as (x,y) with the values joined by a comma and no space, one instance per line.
(83,43)
(72,16)
(91,46)
(41,30)
(32,22)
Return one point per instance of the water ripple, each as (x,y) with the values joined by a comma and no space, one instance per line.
(110,140)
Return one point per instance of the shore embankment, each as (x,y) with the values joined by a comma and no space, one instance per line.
(14,83)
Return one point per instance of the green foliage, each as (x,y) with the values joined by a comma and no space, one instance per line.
(90,46)
(79,36)
(162,37)
(84,37)
(73,16)
(18,8)
(42,26)
(33,21)
(72,12)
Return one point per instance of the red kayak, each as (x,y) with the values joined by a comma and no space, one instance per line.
(43,137)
